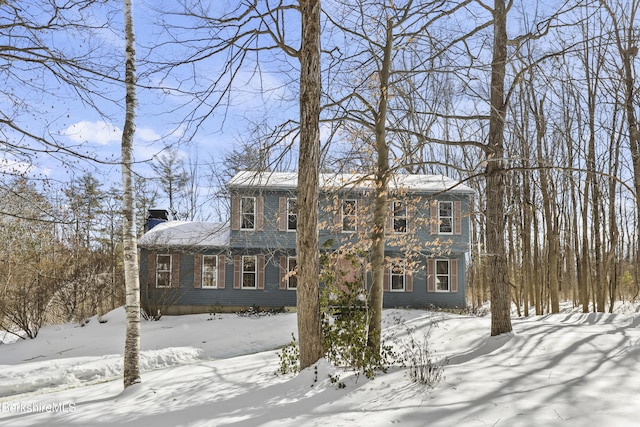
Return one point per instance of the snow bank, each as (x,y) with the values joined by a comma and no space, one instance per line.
(54,375)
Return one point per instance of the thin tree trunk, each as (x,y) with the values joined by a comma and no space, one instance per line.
(380,201)
(308,297)
(130,247)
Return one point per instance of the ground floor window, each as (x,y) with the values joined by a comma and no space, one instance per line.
(163,271)
(397,277)
(442,276)
(209,271)
(249,272)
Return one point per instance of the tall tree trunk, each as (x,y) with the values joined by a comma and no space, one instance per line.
(130,247)
(380,201)
(308,297)
(495,180)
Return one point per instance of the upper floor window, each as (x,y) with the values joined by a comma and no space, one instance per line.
(397,277)
(349,215)
(163,271)
(445,217)
(292,215)
(292,278)
(247,213)
(249,272)
(399,216)
(209,271)
(442,275)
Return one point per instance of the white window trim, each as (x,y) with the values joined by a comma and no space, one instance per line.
(354,215)
(441,217)
(289,199)
(289,259)
(215,272)
(242,199)
(435,272)
(164,271)
(395,217)
(254,272)
(404,277)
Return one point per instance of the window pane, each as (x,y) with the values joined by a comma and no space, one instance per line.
(248,264)
(446,209)
(442,267)
(397,282)
(399,225)
(249,280)
(442,283)
(163,262)
(163,279)
(445,225)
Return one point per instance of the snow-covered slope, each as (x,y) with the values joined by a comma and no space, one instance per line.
(214,370)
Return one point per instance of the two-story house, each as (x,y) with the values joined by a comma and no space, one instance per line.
(188,267)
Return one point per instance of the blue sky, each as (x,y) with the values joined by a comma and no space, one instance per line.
(52,109)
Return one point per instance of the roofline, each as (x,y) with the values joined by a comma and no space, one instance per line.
(252,179)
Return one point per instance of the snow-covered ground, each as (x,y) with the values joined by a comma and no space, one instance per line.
(212,370)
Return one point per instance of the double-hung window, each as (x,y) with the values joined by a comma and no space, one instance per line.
(292,215)
(163,271)
(209,271)
(399,212)
(445,217)
(442,275)
(249,272)
(247,213)
(397,277)
(349,215)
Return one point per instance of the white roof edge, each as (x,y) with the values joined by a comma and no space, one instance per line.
(289,180)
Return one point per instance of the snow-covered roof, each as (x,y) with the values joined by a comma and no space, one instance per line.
(186,233)
(407,182)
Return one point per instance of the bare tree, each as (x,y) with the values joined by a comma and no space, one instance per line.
(172,176)
(247,33)
(623,18)
(390,49)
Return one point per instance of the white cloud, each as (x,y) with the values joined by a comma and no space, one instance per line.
(147,134)
(99,132)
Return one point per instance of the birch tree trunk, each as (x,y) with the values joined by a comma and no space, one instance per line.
(130,247)
(308,297)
